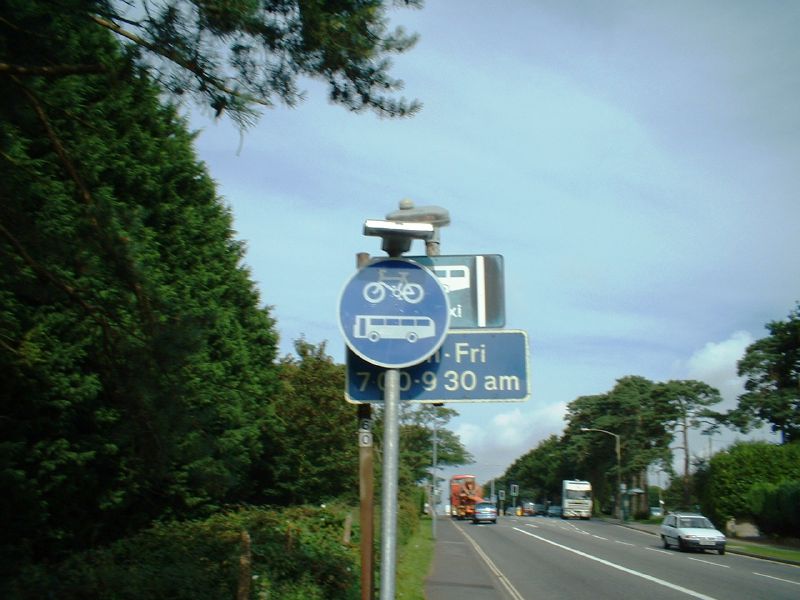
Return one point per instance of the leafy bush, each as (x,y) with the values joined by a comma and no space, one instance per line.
(761,498)
(731,474)
(296,553)
(776,507)
(408,511)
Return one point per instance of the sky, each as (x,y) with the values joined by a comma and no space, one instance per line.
(635,163)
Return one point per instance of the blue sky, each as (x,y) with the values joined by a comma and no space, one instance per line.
(636,164)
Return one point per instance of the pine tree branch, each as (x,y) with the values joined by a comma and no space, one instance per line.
(176,58)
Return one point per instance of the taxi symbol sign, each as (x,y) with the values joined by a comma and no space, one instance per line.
(394,313)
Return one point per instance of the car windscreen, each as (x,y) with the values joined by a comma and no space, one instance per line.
(695,523)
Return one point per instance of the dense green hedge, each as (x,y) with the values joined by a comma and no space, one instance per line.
(731,475)
(297,553)
(776,508)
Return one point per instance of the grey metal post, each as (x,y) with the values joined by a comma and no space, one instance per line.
(620,514)
(391,456)
(433,483)
(394,247)
(432,248)
(438,217)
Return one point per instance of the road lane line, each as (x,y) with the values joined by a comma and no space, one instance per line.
(493,568)
(708,562)
(624,543)
(599,537)
(661,551)
(777,578)
(667,584)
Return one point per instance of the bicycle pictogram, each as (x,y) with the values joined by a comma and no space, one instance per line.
(398,285)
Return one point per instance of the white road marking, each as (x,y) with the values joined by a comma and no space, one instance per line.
(624,543)
(708,562)
(600,537)
(667,584)
(777,578)
(493,568)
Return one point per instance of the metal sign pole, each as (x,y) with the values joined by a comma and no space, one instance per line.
(432,248)
(433,478)
(391,457)
(409,326)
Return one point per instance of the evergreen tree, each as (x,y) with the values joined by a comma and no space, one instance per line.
(631,410)
(137,366)
(772,368)
(688,405)
(417,424)
(541,470)
(316,458)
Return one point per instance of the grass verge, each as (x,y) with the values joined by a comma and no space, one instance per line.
(766,550)
(414,562)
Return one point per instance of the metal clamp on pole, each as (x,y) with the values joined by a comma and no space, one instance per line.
(397,235)
(435,215)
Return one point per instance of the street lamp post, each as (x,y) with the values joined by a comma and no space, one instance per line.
(619,467)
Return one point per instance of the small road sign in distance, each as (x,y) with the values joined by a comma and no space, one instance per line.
(394,313)
(472,365)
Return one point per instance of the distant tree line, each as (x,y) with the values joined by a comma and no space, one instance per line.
(652,419)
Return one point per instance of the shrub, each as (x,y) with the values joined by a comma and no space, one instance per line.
(731,475)
(296,553)
(776,508)
(761,499)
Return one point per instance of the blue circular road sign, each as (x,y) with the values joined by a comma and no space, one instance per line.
(394,313)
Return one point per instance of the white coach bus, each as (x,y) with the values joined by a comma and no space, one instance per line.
(576,499)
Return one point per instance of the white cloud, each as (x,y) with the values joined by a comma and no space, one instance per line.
(715,364)
(471,435)
(505,436)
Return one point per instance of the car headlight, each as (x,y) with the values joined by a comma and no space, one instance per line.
(690,537)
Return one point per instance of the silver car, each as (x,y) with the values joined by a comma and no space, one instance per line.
(485,511)
(691,531)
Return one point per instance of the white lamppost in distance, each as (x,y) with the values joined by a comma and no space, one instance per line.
(619,467)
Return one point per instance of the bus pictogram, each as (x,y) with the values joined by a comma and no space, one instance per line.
(392,327)
(453,277)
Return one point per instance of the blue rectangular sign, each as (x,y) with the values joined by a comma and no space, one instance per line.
(474,285)
(472,365)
